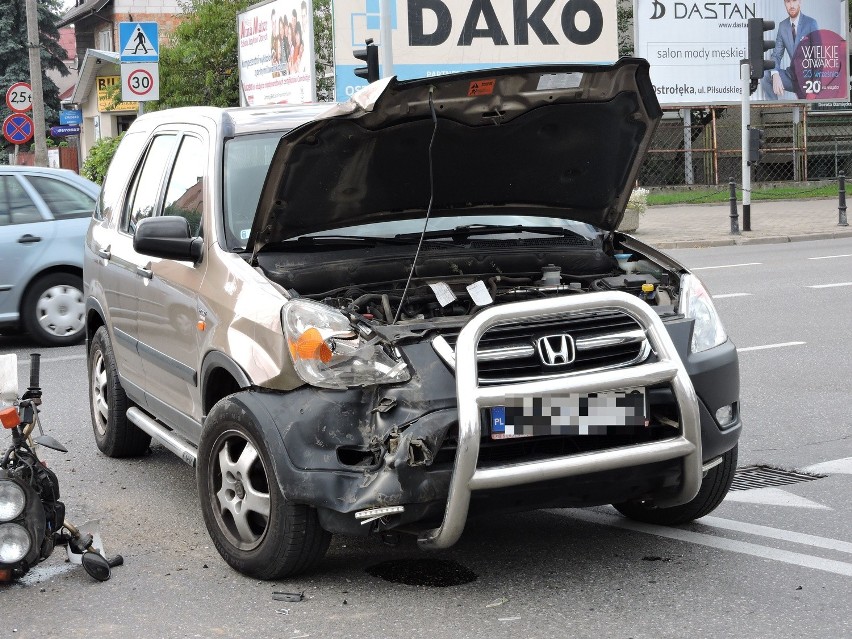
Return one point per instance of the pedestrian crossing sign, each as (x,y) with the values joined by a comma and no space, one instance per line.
(138,42)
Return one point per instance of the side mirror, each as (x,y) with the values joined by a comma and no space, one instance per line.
(97,567)
(167,237)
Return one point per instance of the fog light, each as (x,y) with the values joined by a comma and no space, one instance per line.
(12,500)
(725,415)
(14,543)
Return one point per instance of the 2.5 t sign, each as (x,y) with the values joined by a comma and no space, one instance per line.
(19,97)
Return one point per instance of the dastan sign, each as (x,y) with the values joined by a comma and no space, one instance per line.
(695,49)
(436,37)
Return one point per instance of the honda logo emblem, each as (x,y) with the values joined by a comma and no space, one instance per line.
(555,350)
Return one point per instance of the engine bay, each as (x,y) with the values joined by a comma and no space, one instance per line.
(457,281)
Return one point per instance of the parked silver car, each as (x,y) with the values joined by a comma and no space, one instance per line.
(44,214)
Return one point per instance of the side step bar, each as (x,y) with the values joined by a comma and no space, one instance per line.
(167,438)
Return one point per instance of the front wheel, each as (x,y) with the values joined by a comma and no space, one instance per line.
(254,527)
(53,311)
(713,490)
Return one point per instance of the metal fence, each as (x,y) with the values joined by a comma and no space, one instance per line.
(801,144)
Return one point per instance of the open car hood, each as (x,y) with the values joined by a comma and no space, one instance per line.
(557,140)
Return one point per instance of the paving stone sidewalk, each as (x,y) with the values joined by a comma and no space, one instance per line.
(699,225)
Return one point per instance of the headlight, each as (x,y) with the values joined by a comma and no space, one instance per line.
(12,500)
(695,303)
(327,351)
(14,543)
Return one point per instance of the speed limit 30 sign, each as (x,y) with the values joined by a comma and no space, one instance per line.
(140,82)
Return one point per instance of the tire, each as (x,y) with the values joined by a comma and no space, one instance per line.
(238,486)
(114,434)
(714,488)
(53,312)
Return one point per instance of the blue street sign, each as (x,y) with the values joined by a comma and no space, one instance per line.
(18,128)
(60,131)
(71,117)
(138,42)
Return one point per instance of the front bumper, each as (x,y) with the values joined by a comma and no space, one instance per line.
(415,445)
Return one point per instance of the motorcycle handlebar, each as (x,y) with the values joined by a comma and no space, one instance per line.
(35,369)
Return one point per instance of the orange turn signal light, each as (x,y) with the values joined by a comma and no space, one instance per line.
(311,345)
(9,417)
(5,575)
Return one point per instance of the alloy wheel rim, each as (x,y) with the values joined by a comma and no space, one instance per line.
(60,311)
(240,495)
(100,399)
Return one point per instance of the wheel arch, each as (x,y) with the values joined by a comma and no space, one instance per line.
(95,318)
(220,376)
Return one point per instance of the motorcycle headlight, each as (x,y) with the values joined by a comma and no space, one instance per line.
(15,543)
(12,500)
(695,302)
(329,352)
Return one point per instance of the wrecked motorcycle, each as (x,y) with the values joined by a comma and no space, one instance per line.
(32,519)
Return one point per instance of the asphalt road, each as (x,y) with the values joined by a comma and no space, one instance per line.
(770,562)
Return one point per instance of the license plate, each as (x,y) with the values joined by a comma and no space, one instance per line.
(605,413)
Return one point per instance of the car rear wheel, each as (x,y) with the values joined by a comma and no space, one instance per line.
(114,434)
(53,311)
(254,527)
(713,490)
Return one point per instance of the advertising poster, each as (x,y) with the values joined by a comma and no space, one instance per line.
(695,50)
(105,102)
(436,37)
(276,53)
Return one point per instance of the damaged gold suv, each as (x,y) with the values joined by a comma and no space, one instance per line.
(403,311)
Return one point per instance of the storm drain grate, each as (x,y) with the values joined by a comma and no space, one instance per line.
(751,477)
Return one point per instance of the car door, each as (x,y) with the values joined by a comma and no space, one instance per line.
(168,308)
(123,269)
(25,234)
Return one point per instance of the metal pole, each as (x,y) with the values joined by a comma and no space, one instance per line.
(841,200)
(688,175)
(797,120)
(746,167)
(735,218)
(34,47)
(386,50)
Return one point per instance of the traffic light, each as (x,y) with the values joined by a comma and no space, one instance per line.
(755,145)
(370,55)
(756,47)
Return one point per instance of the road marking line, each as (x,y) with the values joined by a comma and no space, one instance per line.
(720,543)
(706,268)
(25,361)
(830,257)
(777,533)
(724,295)
(835,466)
(830,285)
(762,348)
(772,496)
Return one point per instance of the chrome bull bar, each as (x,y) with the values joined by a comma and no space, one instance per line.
(472,398)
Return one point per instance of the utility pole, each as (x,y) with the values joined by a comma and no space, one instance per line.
(34,48)
(386,50)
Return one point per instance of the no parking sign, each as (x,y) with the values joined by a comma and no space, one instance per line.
(18,128)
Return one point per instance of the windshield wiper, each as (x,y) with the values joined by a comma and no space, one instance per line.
(349,240)
(467,230)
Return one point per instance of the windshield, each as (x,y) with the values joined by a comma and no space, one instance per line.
(415,226)
(246,163)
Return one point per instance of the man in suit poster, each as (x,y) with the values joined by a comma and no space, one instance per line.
(791,31)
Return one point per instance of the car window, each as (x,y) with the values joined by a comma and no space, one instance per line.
(16,207)
(63,200)
(146,185)
(120,168)
(247,161)
(185,191)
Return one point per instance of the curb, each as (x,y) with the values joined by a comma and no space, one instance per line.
(747,241)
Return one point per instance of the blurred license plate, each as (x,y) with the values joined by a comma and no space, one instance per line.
(606,413)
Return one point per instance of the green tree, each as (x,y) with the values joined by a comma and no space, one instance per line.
(100,155)
(15,61)
(324,50)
